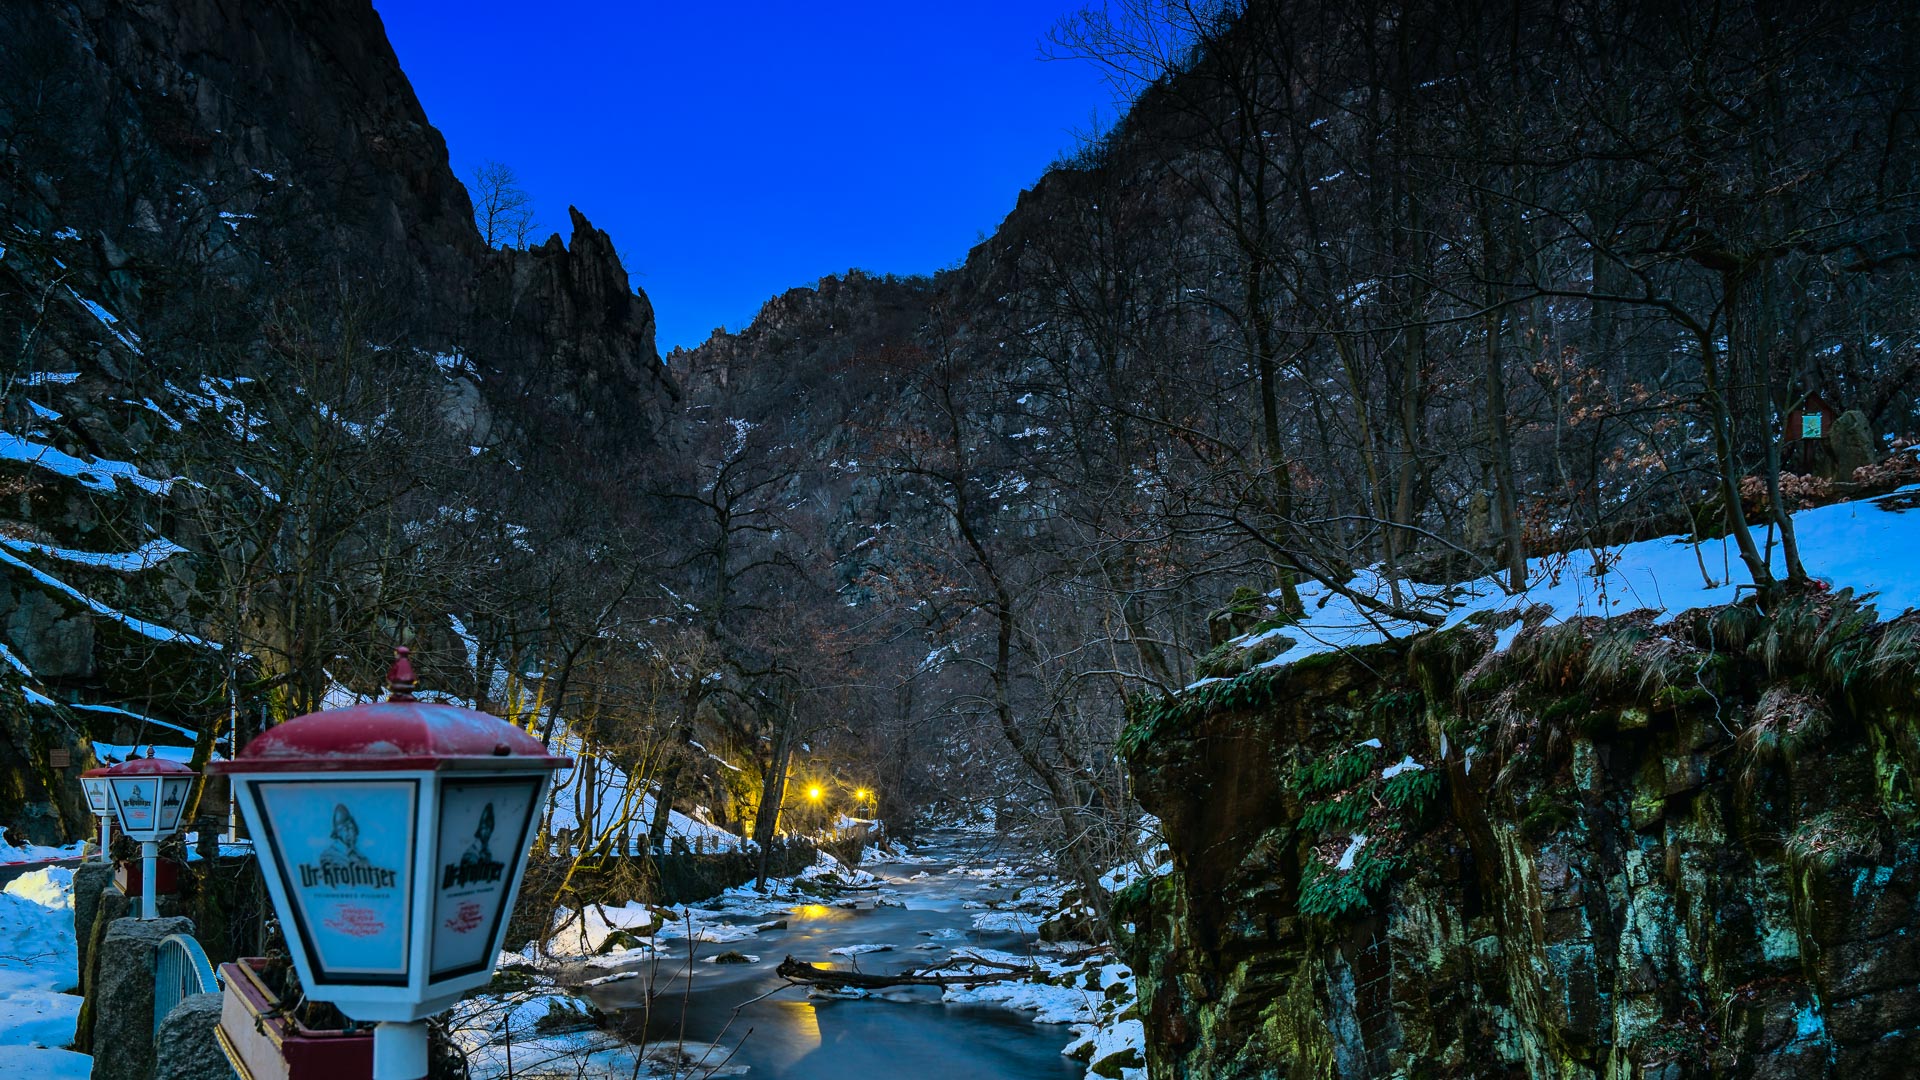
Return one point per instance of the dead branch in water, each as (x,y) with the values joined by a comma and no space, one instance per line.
(800,971)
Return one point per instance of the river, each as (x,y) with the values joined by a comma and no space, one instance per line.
(906,1034)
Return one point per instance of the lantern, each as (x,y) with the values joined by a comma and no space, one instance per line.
(149,796)
(393,837)
(99,801)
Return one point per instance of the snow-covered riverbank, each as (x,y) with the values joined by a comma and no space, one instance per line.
(39,964)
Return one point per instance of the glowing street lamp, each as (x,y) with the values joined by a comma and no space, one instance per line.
(393,837)
(100,801)
(149,796)
(814,792)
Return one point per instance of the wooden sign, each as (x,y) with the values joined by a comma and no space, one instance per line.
(59,758)
(1809,420)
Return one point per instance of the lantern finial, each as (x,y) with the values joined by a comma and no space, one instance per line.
(400,678)
(149,749)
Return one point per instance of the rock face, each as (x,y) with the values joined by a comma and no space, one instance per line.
(580,338)
(1617,850)
(176,180)
(239,145)
(122,997)
(187,1048)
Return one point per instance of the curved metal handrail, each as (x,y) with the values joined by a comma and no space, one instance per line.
(180,969)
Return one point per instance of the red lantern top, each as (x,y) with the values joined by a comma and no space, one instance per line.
(397,734)
(92,774)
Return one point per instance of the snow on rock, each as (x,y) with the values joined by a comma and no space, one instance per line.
(1406,764)
(98,475)
(139,626)
(150,554)
(1008,922)
(1353,849)
(860,950)
(1844,543)
(1050,1004)
(891,851)
(1100,1042)
(586,932)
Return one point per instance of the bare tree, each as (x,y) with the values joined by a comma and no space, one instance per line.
(502,209)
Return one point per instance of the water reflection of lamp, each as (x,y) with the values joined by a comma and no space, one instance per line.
(393,837)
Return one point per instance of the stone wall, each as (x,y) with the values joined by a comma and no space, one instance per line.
(1621,850)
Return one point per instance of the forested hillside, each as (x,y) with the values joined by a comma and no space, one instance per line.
(1358,303)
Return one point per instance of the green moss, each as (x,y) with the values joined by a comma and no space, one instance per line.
(1679,697)
(1545,815)
(1570,707)
(1115,1064)
(1828,839)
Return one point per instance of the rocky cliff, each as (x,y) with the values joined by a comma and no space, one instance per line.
(194,197)
(1617,849)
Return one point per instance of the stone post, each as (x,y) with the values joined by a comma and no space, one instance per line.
(89,881)
(188,1048)
(121,997)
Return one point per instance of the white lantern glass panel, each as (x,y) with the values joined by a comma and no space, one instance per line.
(483,846)
(173,801)
(98,800)
(345,851)
(136,802)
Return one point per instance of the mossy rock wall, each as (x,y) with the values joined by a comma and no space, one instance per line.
(1633,851)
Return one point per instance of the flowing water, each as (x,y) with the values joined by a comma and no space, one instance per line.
(903,1034)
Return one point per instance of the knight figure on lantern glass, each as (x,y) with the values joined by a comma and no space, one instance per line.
(393,837)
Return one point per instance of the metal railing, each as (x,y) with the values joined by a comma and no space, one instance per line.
(180,969)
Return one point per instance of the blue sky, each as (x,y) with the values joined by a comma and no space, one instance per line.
(734,151)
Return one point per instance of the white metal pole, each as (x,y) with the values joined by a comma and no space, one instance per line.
(400,1050)
(103,838)
(149,879)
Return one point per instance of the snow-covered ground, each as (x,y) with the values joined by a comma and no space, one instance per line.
(38,853)
(39,963)
(1846,545)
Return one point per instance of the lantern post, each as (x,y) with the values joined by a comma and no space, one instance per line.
(99,801)
(393,837)
(149,795)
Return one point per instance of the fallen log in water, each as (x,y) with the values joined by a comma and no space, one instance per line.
(800,971)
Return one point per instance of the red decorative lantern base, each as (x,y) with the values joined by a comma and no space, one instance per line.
(166,875)
(262,1044)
